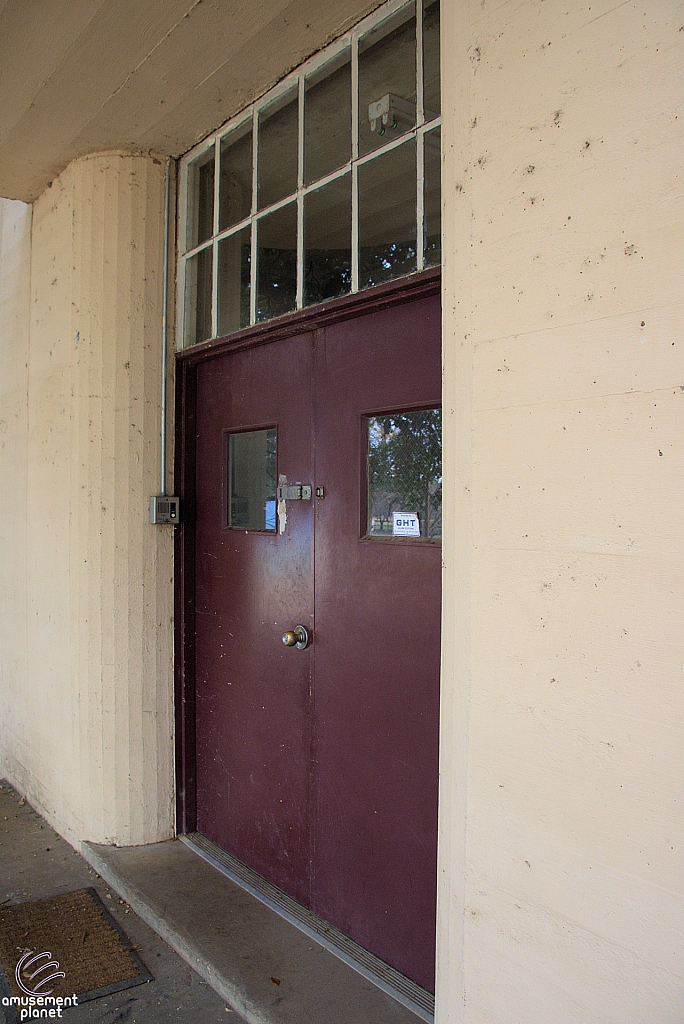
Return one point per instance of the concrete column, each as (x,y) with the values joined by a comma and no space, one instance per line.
(457,360)
(561,827)
(98,715)
(15,277)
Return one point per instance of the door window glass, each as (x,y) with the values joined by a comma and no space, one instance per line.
(252,480)
(404,469)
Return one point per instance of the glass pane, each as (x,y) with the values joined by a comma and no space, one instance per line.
(200,226)
(277,263)
(234,263)
(277,159)
(387,216)
(431,98)
(252,480)
(235,186)
(433,198)
(387,81)
(327,119)
(327,241)
(405,474)
(198,297)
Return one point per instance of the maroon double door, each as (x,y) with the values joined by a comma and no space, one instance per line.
(318,767)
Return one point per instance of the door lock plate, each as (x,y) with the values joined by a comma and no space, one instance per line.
(294,492)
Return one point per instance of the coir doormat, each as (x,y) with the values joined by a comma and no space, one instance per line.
(62,947)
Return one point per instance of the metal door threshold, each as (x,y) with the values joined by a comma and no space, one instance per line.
(405,991)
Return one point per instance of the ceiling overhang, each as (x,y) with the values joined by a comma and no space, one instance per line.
(88,76)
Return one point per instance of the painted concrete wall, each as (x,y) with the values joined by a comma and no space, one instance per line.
(562,843)
(87,727)
(15,287)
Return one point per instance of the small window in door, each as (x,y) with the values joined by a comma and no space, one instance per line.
(252,480)
(404,474)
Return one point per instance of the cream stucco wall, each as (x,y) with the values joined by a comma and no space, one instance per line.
(561,832)
(562,836)
(15,286)
(87,687)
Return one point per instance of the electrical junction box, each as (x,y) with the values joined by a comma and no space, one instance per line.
(164,510)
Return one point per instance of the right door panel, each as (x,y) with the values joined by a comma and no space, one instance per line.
(376,652)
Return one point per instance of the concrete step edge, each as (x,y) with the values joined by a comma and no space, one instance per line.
(177,938)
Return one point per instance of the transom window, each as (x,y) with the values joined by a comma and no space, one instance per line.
(327,185)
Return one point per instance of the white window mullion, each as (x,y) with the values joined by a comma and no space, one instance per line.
(183,209)
(180,304)
(387,148)
(300,134)
(322,182)
(355,229)
(420,199)
(214,289)
(215,228)
(420,141)
(217,177)
(253,262)
(300,251)
(234,228)
(420,112)
(355,156)
(300,196)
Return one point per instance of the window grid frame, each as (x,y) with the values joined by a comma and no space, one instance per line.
(297,78)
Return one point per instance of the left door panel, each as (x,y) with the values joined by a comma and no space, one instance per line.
(254,695)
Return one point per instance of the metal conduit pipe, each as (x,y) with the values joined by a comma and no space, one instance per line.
(165,297)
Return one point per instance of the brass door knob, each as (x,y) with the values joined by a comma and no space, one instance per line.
(297,637)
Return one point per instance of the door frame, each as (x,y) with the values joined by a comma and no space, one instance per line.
(408,289)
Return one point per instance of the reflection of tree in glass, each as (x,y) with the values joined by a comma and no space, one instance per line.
(380,263)
(405,470)
(327,274)
(277,289)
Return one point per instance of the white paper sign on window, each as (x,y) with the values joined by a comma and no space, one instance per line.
(405,524)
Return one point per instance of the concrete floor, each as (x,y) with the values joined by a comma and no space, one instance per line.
(36,862)
(250,965)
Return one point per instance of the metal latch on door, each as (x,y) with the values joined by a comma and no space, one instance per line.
(294,492)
